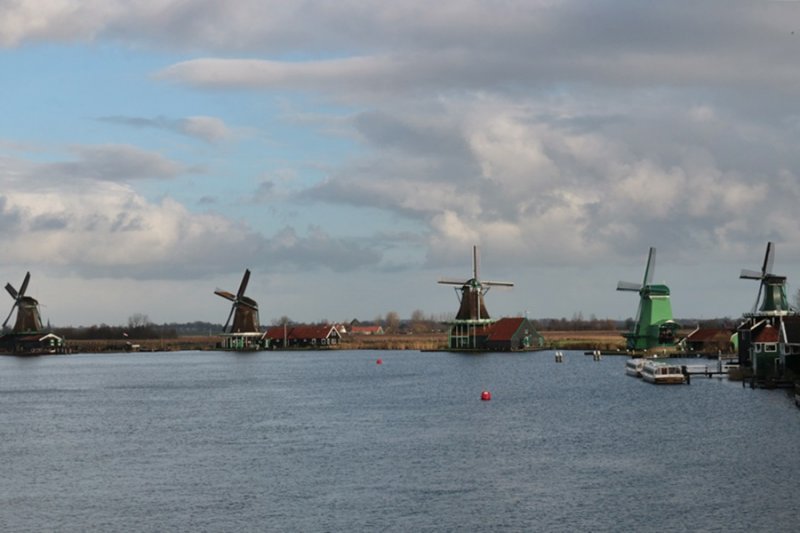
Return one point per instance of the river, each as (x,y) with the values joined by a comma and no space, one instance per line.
(333,441)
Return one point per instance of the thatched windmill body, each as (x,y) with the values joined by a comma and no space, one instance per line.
(472,291)
(244,310)
(472,318)
(28,319)
(244,333)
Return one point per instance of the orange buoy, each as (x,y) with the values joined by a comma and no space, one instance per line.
(486,396)
(379,362)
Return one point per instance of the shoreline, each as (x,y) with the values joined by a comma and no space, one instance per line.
(604,341)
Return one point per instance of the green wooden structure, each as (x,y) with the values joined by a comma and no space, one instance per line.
(654,326)
(768,338)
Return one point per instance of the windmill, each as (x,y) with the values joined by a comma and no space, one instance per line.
(28,319)
(244,310)
(772,286)
(472,291)
(654,325)
(764,338)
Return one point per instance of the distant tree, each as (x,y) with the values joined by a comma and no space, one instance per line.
(138,320)
(281,321)
(392,322)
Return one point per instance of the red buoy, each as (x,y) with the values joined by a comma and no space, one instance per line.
(379,362)
(486,396)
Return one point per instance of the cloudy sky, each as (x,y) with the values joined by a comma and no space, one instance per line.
(351,152)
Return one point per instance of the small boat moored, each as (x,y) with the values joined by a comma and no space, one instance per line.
(662,373)
(633,367)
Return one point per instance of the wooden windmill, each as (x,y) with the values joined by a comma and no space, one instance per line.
(28,319)
(472,291)
(772,287)
(766,337)
(244,310)
(654,325)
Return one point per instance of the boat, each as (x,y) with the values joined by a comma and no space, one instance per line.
(633,367)
(662,373)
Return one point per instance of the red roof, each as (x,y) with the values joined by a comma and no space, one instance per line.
(504,329)
(366,329)
(767,334)
(302,332)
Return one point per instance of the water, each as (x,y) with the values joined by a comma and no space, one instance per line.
(331,441)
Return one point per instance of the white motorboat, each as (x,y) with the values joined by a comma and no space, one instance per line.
(633,367)
(666,373)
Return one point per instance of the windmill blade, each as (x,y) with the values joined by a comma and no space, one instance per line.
(750,274)
(650,268)
(497,283)
(638,316)
(629,286)
(475,261)
(769,259)
(225,294)
(24,286)
(452,281)
(9,314)
(225,327)
(243,285)
(758,297)
(12,291)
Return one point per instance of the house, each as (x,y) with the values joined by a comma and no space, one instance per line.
(771,346)
(511,334)
(708,341)
(366,330)
(32,344)
(303,336)
(243,341)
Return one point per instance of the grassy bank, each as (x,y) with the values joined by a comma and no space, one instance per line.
(564,340)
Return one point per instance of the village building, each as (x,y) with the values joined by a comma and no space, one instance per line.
(768,339)
(243,341)
(510,334)
(303,336)
(708,341)
(366,330)
(32,344)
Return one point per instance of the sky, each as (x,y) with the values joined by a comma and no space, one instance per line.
(350,153)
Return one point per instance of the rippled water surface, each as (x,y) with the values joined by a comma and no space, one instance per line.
(332,441)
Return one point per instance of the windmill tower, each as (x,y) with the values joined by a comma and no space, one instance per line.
(654,325)
(472,312)
(28,319)
(244,310)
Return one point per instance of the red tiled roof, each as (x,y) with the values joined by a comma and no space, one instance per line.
(504,329)
(767,334)
(302,332)
(365,329)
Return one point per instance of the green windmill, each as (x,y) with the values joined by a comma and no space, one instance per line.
(772,288)
(654,325)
